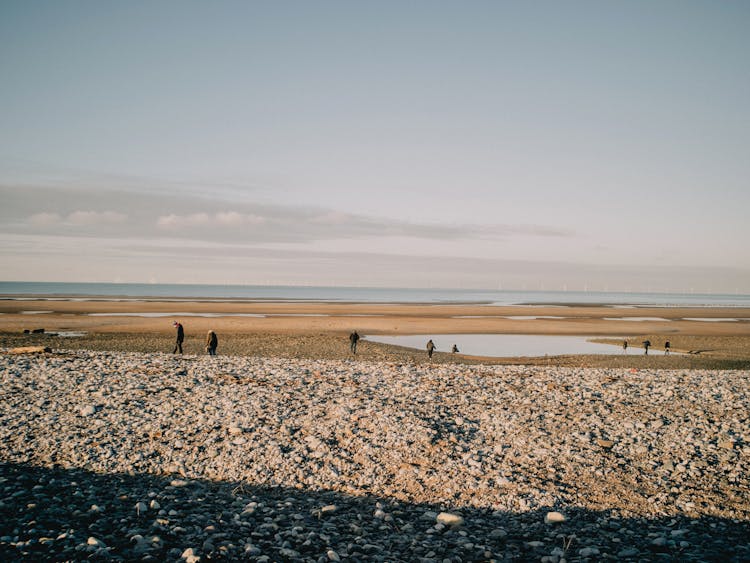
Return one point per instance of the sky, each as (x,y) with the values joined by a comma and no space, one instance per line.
(579,145)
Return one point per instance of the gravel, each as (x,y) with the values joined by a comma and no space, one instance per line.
(132,456)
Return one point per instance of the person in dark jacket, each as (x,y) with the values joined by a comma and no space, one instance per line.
(646,345)
(430,348)
(353,339)
(180,337)
(212,341)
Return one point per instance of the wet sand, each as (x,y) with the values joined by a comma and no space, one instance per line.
(319,330)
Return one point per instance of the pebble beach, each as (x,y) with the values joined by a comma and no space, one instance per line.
(117,455)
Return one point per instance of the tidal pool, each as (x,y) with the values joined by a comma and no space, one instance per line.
(505,345)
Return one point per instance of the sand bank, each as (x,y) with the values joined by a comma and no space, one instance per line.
(319,330)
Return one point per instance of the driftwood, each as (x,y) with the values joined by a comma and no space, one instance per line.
(30,350)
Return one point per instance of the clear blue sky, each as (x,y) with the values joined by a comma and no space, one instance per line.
(447,144)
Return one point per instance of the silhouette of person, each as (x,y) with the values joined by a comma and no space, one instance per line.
(624,346)
(180,337)
(353,339)
(646,345)
(666,348)
(430,348)
(212,341)
(454,350)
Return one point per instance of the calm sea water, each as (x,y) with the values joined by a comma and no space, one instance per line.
(365,294)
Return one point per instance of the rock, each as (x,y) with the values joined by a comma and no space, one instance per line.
(190,555)
(92,541)
(449,519)
(429,515)
(554,518)
(88,410)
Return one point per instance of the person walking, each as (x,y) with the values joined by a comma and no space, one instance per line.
(180,337)
(353,339)
(646,345)
(624,346)
(212,341)
(430,348)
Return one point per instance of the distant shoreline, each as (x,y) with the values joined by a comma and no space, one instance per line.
(353,295)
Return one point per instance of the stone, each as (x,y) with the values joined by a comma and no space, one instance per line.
(449,519)
(92,541)
(554,518)
(190,555)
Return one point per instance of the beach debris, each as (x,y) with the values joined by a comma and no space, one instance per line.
(30,350)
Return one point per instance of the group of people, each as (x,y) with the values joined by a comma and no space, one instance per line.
(431,348)
(212,341)
(646,346)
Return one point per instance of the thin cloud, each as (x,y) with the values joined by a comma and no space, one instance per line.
(79,218)
(229,219)
(45,219)
(75,210)
(82,218)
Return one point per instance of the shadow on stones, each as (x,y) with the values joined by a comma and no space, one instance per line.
(74,514)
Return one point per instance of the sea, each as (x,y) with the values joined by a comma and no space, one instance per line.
(136,291)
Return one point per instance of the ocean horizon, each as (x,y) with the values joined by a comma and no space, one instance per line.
(135,291)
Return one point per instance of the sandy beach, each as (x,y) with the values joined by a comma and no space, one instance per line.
(709,337)
(287,447)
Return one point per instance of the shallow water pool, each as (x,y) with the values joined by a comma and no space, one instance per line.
(506,345)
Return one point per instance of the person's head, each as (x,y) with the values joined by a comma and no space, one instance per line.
(175,323)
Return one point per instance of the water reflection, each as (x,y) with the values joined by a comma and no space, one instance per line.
(504,345)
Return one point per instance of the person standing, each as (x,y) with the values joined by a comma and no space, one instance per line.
(624,346)
(180,337)
(666,348)
(353,339)
(430,348)
(212,341)
(646,345)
